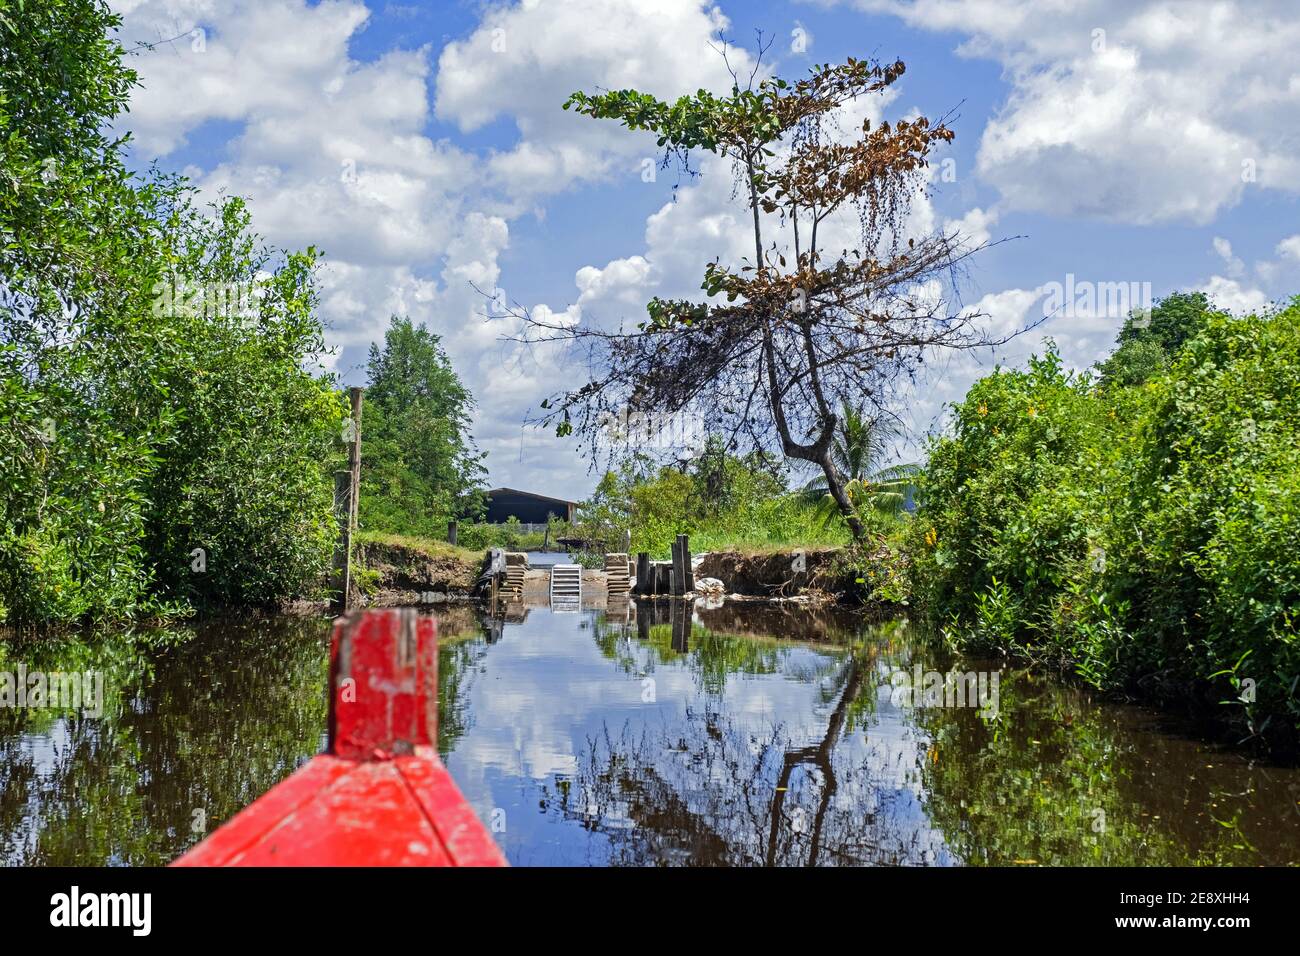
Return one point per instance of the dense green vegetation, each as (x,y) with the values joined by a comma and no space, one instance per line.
(511,535)
(723,501)
(421,467)
(164,441)
(1141,526)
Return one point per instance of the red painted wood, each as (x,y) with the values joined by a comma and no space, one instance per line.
(384,675)
(380,796)
(244,829)
(458,826)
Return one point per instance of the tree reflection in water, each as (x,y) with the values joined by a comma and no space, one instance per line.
(715,792)
(1054,777)
(199,721)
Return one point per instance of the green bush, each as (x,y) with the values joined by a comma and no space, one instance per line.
(72,501)
(1146,536)
(723,501)
(1014,494)
(243,475)
(508,535)
(133,430)
(1214,512)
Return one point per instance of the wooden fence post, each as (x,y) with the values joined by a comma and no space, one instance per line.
(663,578)
(688,573)
(341,583)
(451,532)
(356,395)
(683,576)
(642,573)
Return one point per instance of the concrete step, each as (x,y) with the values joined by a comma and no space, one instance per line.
(514,578)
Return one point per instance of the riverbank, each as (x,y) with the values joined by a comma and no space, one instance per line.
(394,569)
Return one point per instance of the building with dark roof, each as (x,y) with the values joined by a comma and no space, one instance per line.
(526,507)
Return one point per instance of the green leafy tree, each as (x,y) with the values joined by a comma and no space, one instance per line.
(77,258)
(421,464)
(142,420)
(242,477)
(1150,338)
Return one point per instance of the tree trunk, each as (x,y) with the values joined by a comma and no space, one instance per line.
(818,453)
(835,482)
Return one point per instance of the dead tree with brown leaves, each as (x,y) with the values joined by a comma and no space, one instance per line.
(782,341)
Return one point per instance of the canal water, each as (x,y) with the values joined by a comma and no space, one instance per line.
(742,735)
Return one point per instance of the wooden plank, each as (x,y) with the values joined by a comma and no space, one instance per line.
(663,578)
(341,580)
(688,574)
(368,817)
(356,396)
(643,583)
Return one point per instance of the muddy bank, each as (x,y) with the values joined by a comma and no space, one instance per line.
(395,573)
(825,623)
(777,573)
(390,574)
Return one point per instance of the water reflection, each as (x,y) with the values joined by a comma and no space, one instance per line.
(198,722)
(641,735)
(761,736)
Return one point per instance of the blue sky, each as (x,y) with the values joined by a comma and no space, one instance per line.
(423,147)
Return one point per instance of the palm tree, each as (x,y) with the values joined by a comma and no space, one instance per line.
(858,446)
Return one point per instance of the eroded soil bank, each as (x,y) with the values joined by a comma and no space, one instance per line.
(392,574)
(777,573)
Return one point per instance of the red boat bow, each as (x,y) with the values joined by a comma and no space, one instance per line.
(380,795)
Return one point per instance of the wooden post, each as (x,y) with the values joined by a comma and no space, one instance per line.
(688,573)
(451,532)
(341,583)
(643,582)
(356,395)
(679,576)
(496,568)
(663,578)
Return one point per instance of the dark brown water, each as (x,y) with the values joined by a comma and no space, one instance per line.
(745,736)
